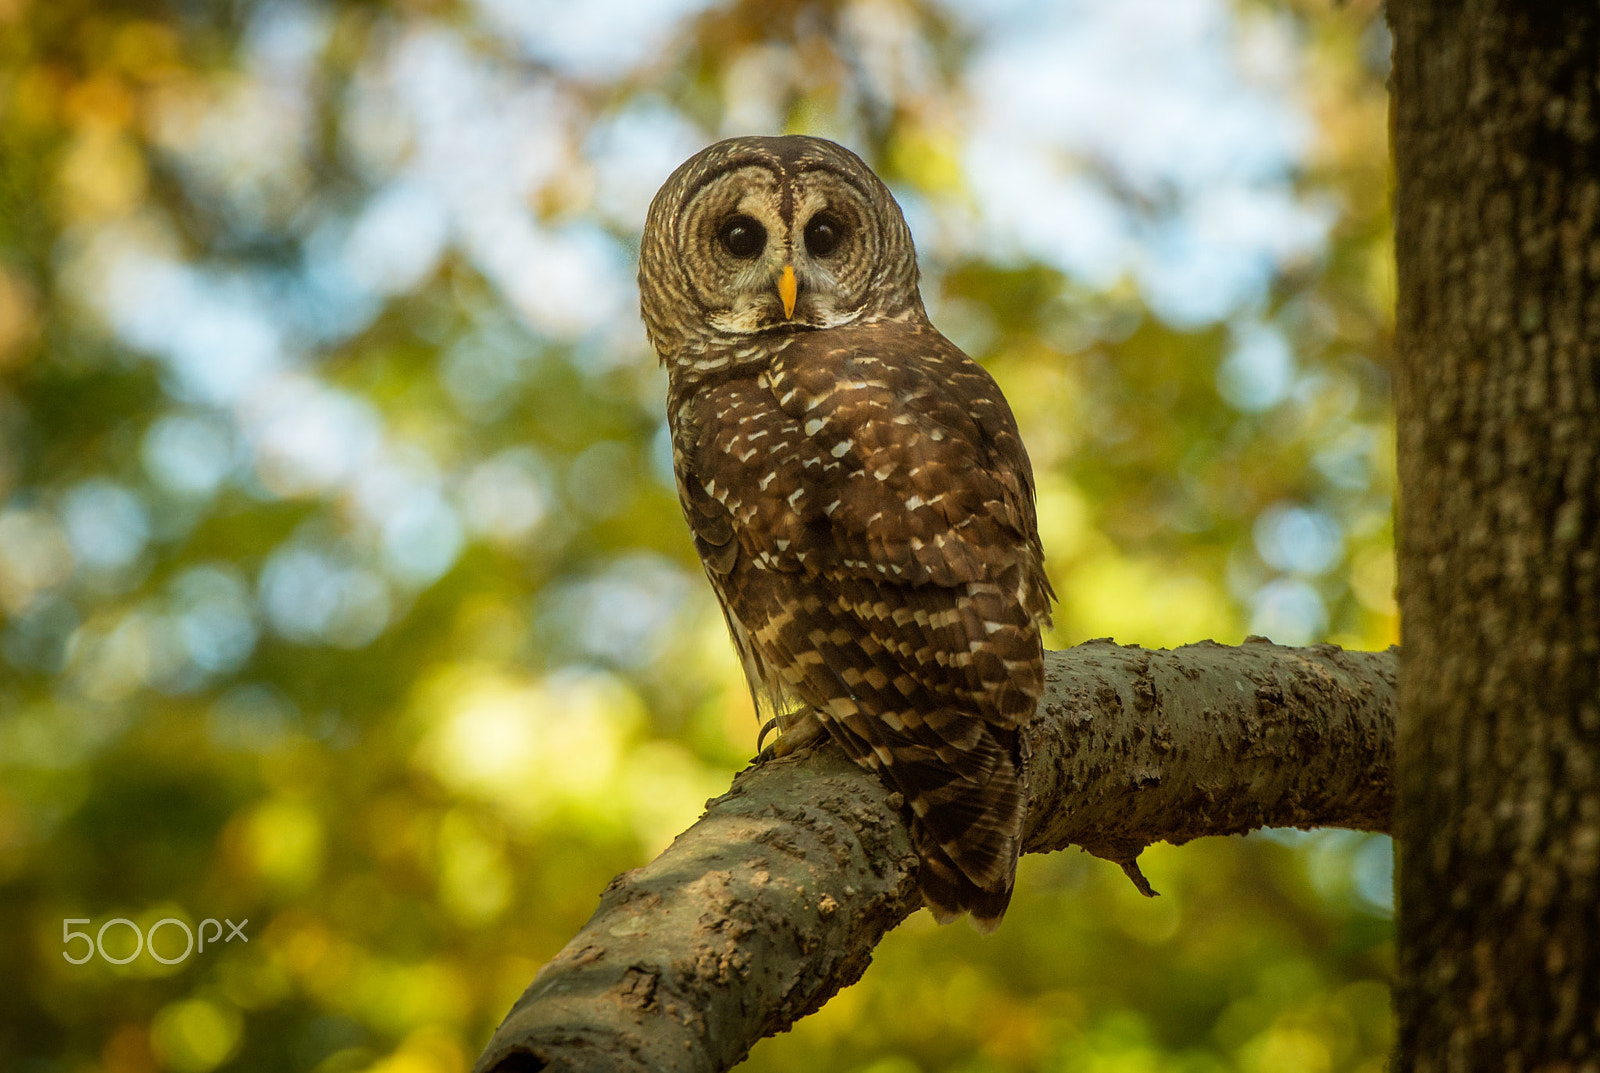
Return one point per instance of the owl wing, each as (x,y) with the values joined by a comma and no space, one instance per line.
(865,510)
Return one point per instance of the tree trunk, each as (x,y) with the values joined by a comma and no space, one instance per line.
(1497,156)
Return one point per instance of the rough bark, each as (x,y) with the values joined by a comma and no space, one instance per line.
(1496,113)
(774,900)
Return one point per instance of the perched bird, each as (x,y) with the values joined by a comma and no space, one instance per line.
(857,492)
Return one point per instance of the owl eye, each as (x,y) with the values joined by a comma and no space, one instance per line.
(743,237)
(823,234)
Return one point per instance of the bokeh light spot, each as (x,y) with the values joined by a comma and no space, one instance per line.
(188,454)
(1299,539)
(1289,611)
(107,524)
(196,1035)
(1259,371)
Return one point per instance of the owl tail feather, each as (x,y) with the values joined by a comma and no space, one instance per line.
(961,780)
(948,892)
(967,811)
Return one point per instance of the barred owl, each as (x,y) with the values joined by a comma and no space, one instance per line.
(857,492)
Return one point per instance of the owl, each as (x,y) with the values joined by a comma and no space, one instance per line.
(856,490)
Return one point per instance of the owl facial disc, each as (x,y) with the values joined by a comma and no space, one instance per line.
(772,236)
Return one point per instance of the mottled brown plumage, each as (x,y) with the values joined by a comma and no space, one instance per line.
(856,489)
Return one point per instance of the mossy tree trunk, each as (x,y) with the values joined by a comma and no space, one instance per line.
(1497,202)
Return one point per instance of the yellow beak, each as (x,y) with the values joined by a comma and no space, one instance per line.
(787,289)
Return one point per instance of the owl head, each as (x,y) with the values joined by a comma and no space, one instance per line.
(759,237)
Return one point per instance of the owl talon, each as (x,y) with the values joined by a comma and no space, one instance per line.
(766,728)
(795,732)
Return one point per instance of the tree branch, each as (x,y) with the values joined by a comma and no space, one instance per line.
(775,898)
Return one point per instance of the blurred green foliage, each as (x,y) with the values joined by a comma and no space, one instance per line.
(342,582)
